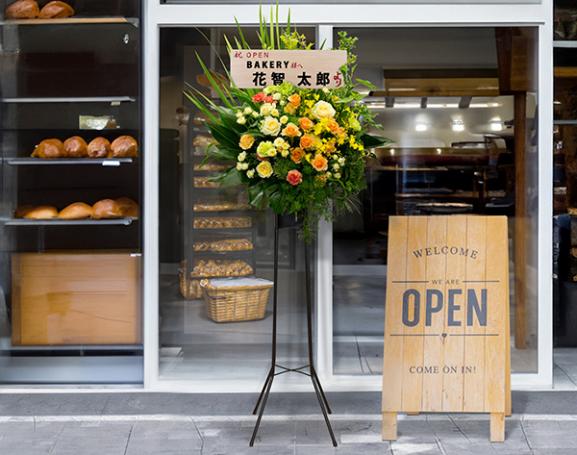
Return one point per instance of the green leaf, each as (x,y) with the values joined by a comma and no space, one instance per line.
(219,153)
(371,141)
(229,178)
(241,34)
(365,83)
(257,196)
(214,84)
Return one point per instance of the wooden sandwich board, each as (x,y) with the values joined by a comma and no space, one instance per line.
(447,344)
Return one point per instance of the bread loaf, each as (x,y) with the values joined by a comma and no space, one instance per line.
(224,245)
(106,208)
(56,10)
(22,211)
(219,222)
(220,268)
(49,148)
(76,211)
(205,182)
(22,9)
(124,147)
(98,148)
(128,207)
(42,212)
(75,147)
(219,207)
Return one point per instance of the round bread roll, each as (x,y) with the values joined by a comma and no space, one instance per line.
(22,9)
(22,211)
(76,211)
(106,208)
(128,207)
(56,10)
(42,212)
(49,148)
(98,148)
(75,147)
(124,147)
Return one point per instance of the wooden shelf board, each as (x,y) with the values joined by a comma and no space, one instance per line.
(71,21)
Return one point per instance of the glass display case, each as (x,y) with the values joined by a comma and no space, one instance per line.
(70,252)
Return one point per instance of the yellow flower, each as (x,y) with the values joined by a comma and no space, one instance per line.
(264,169)
(270,126)
(266,109)
(290,109)
(246,141)
(291,130)
(320,163)
(266,149)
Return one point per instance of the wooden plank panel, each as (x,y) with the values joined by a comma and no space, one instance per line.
(453,383)
(435,311)
(393,345)
(413,336)
(497,288)
(474,381)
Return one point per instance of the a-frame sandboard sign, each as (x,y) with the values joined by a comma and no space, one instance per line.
(447,343)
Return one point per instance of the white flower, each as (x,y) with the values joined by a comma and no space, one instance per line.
(276,96)
(241,156)
(284,152)
(244,166)
(248,110)
(270,126)
(325,90)
(241,120)
(322,109)
(274,113)
(250,173)
(328,174)
(337,175)
(342,161)
(284,119)
(266,109)
(255,114)
(282,102)
(239,166)
(238,113)
(336,167)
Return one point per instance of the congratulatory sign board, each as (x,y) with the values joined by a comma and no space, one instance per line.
(304,69)
(446,324)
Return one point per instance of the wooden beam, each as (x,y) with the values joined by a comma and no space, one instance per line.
(448,86)
(520,239)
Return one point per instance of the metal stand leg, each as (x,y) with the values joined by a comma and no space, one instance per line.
(263,397)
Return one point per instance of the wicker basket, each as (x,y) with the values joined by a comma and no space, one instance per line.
(237,299)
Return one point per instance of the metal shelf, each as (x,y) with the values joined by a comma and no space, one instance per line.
(70,99)
(58,222)
(29,161)
(73,21)
(565,122)
(565,44)
(75,347)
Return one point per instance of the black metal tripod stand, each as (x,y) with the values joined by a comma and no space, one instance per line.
(262,399)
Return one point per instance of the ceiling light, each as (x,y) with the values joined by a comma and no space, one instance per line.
(458,126)
(496,124)
(420,127)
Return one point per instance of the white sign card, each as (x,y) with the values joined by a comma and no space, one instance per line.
(302,68)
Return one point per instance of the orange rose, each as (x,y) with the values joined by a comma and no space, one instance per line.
(333,126)
(291,130)
(295,100)
(320,163)
(294,177)
(307,141)
(297,155)
(306,123)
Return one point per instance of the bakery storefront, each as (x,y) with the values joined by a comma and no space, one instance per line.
(113,231)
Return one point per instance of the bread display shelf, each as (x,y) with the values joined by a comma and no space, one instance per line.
(29,161)
(78,347)
(565,122)
(58,222)
(74,21)
(565,43)
(70,99)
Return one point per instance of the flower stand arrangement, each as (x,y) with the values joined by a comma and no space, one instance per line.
(299,151)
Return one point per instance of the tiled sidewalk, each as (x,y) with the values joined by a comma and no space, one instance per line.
(544,423)
(306,435)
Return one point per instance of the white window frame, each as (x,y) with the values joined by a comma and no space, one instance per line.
(325,17)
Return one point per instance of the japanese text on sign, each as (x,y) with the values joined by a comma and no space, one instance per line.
(304,69)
